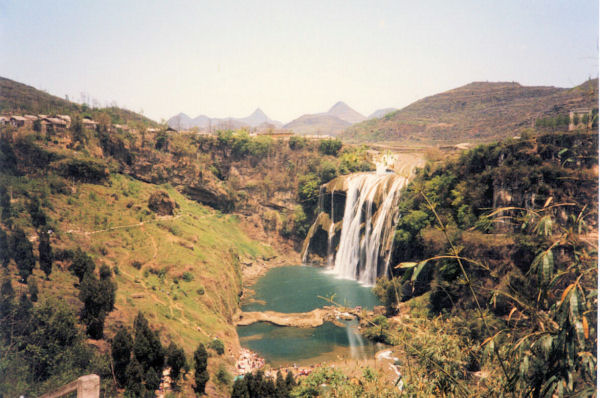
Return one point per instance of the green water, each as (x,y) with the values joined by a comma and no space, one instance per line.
(297,289)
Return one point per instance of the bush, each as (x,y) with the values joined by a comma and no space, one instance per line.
(223,376)
(330,147)
(187,276)
(297,142)
(218,346)
(327,171)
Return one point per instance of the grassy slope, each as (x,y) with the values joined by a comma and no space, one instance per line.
(197,239)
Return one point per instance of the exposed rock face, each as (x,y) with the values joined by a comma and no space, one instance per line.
(161,203)
(209,194)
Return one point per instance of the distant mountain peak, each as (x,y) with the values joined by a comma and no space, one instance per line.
(258,113)
(342,111)
(339,106)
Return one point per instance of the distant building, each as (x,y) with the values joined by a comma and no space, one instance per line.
(17,121)
(55,123)
(66,118)
(88,123)
(578,115)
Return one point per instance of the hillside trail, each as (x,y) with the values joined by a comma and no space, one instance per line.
(141,223)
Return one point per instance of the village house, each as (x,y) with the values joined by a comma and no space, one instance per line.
(4,120)
(88,123)
(55,123)
(17,121)
(66,118)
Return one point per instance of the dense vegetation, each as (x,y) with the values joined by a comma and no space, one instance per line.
(497,243)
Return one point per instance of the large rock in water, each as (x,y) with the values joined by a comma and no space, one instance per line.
(161,203)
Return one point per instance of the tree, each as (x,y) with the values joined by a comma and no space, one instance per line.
(281,388)
(121,347)
(7,295)
(98,297)
(37,126)
(38,217)
(7,211)
(77,132)
(289,380)
(176,361)
(4,249)
(81,264)
(22,253)
(45,252)
(33,289)
(134,376)
(152,380)
(147,348)
(200,373)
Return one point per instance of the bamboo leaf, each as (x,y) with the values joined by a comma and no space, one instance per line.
(586,327)
(580,334)
(418,270)
(548,201)
(544,226)
(544,263)
(574,305)
(565,292)
(511,313)
(406,265)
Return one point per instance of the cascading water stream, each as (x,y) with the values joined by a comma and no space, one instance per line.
(367,227)
(359,246)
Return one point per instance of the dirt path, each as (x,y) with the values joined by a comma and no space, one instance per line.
(141,223)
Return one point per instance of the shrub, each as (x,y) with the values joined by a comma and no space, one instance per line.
(223,376)
(187,276)
(218,346)
(297,142)
(330,147)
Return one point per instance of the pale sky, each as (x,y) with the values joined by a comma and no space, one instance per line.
(225,58)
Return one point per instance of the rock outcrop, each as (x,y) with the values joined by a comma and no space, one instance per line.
(161,203)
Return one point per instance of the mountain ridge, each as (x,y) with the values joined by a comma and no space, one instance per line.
(257,119)
(480,111)
(332,122)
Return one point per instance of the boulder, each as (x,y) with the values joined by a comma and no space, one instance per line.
(161,203)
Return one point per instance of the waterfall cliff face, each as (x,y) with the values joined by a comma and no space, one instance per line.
(358,214)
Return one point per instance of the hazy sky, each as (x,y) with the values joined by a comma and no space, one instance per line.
(223,58)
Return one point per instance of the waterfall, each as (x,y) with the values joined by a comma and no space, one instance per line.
(367,228)
(355,340)
(358,244)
